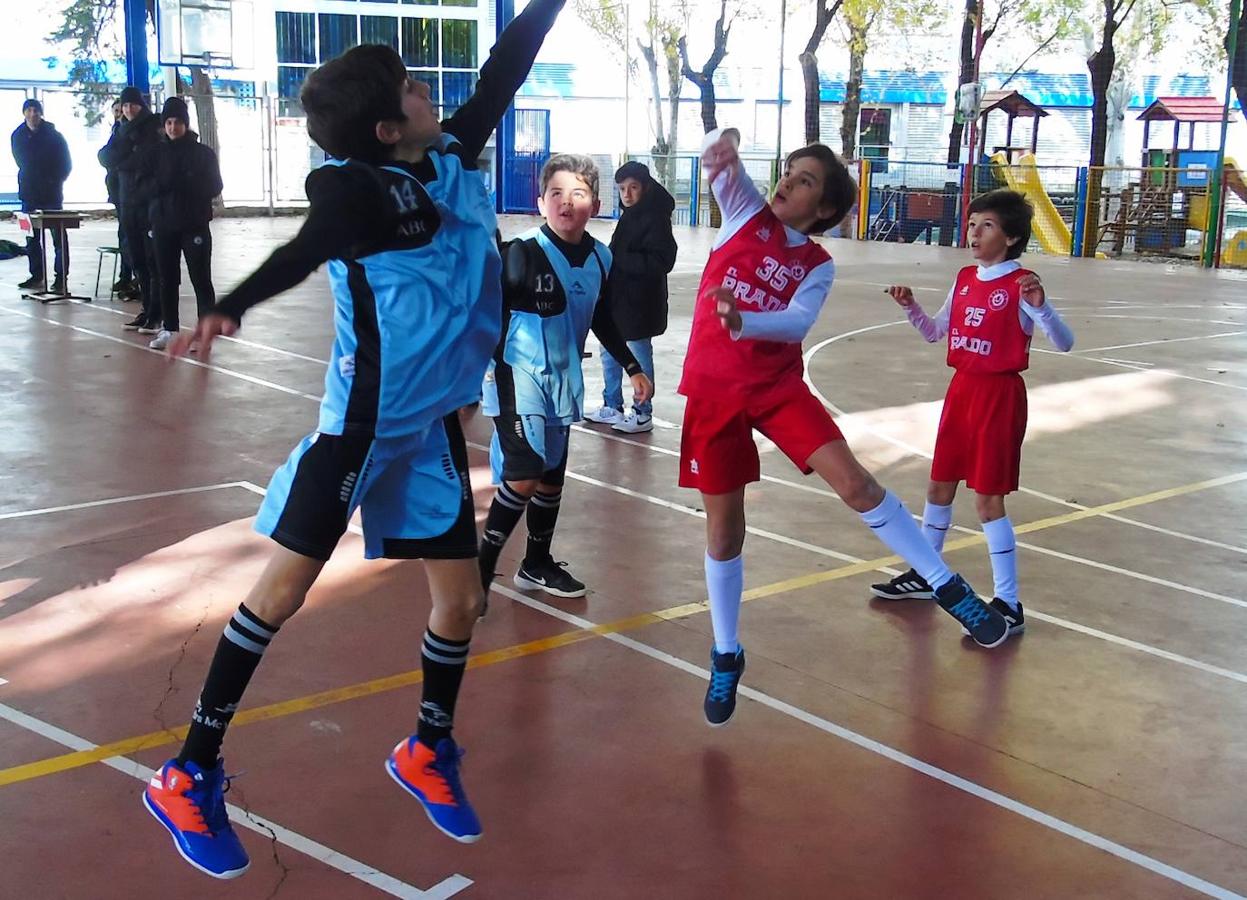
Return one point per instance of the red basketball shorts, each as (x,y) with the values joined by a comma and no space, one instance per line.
(717,452)
(981,430)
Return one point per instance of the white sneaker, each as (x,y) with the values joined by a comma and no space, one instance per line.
(634,424)
(607,415)
(161,341)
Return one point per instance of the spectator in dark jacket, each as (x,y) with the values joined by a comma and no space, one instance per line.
(125,287)
(43,164)
(181,178)
(644,253)
(124,154)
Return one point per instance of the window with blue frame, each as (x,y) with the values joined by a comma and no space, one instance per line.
(457,87)
(420,43)
(459,43)
(296,38)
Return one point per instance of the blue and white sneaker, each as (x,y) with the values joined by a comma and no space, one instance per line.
(190,802)
(725,672)
(985,625)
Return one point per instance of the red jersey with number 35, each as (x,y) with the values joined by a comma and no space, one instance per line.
(763,273)
(985,333)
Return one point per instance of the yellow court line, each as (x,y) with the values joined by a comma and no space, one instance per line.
(79,758)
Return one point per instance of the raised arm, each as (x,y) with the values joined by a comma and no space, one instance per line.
(508,65)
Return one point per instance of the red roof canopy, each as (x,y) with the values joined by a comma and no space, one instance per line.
(1185,109)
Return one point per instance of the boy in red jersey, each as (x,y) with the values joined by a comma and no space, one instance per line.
(989,317)
(763,287)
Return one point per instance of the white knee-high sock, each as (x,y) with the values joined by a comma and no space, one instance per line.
(892,524)
(935,522)
(1003,550)
(724,581)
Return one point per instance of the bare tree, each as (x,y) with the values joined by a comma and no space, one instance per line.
(704,77)
(824,12)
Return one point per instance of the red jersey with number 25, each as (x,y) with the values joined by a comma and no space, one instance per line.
(985,335)
(763,273)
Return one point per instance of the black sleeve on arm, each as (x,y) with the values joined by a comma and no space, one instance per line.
(605,330)
(346,211)
(508,65)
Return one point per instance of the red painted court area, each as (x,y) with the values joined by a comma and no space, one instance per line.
(876,753)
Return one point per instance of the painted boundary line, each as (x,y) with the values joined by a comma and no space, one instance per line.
(354,868)
(110,501)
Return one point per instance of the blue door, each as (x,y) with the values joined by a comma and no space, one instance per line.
(523,163)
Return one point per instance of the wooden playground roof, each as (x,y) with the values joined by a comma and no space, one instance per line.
(1012,102)
(1185,109)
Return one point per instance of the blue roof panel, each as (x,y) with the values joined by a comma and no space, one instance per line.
(887,86)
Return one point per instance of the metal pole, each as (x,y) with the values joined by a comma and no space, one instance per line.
(627,45)
(974,121)
(505,144)
(1212,245)
(135,14)
(779,136)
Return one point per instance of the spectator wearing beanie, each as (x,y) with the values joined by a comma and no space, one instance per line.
(43,164)
(181,178)
(124,153)
(644,252)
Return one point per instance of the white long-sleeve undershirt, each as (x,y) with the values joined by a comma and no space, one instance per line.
(1046,317)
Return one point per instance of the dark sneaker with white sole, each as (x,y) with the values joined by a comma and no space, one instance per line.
(725,672)
(549,576)
(1014,617)
(906,586)
(984,624)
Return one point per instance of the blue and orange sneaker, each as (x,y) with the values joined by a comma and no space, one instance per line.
(432,777)
(190,802)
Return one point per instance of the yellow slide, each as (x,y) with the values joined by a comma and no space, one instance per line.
(1049,228)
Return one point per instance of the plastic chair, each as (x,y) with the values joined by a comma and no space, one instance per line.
(115,252)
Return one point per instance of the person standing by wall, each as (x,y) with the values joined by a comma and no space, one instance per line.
(125,153)
(43,164)
(181,177)
(126,288)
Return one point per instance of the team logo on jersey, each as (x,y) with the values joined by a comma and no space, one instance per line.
(764,233)
(798,271)
(965,290)
(998,298)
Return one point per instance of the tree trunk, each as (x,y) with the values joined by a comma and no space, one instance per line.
(823,15)
(1100,64)
(674,84)
(661,148)
(853,92)
(965,76)
(205,108)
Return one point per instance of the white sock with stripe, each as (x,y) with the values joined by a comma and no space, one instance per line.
(936,520)
(1003,549)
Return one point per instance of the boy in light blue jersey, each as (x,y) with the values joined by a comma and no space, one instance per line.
(406,226)
(554,290)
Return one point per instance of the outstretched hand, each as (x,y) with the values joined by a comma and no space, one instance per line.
(904,296)
(721,155)
(210,327)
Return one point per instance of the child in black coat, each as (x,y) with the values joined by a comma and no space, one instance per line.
(644,253)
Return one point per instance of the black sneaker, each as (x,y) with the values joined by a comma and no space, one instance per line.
(549,576)
(725,672)
(58,285)
(1015,617)
(124,285)
(33,283)
(139,321)
(984,624)
(906,586)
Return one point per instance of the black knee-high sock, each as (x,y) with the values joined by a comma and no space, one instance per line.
(442,662)
(543,514)
(245,639)
(504,515)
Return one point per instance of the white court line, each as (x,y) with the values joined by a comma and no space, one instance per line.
(1149,367)
(239,816)
(191,362)
(771,535)
(1205,337)
(281,351)
(4,681)
(890,753)
(90,504)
